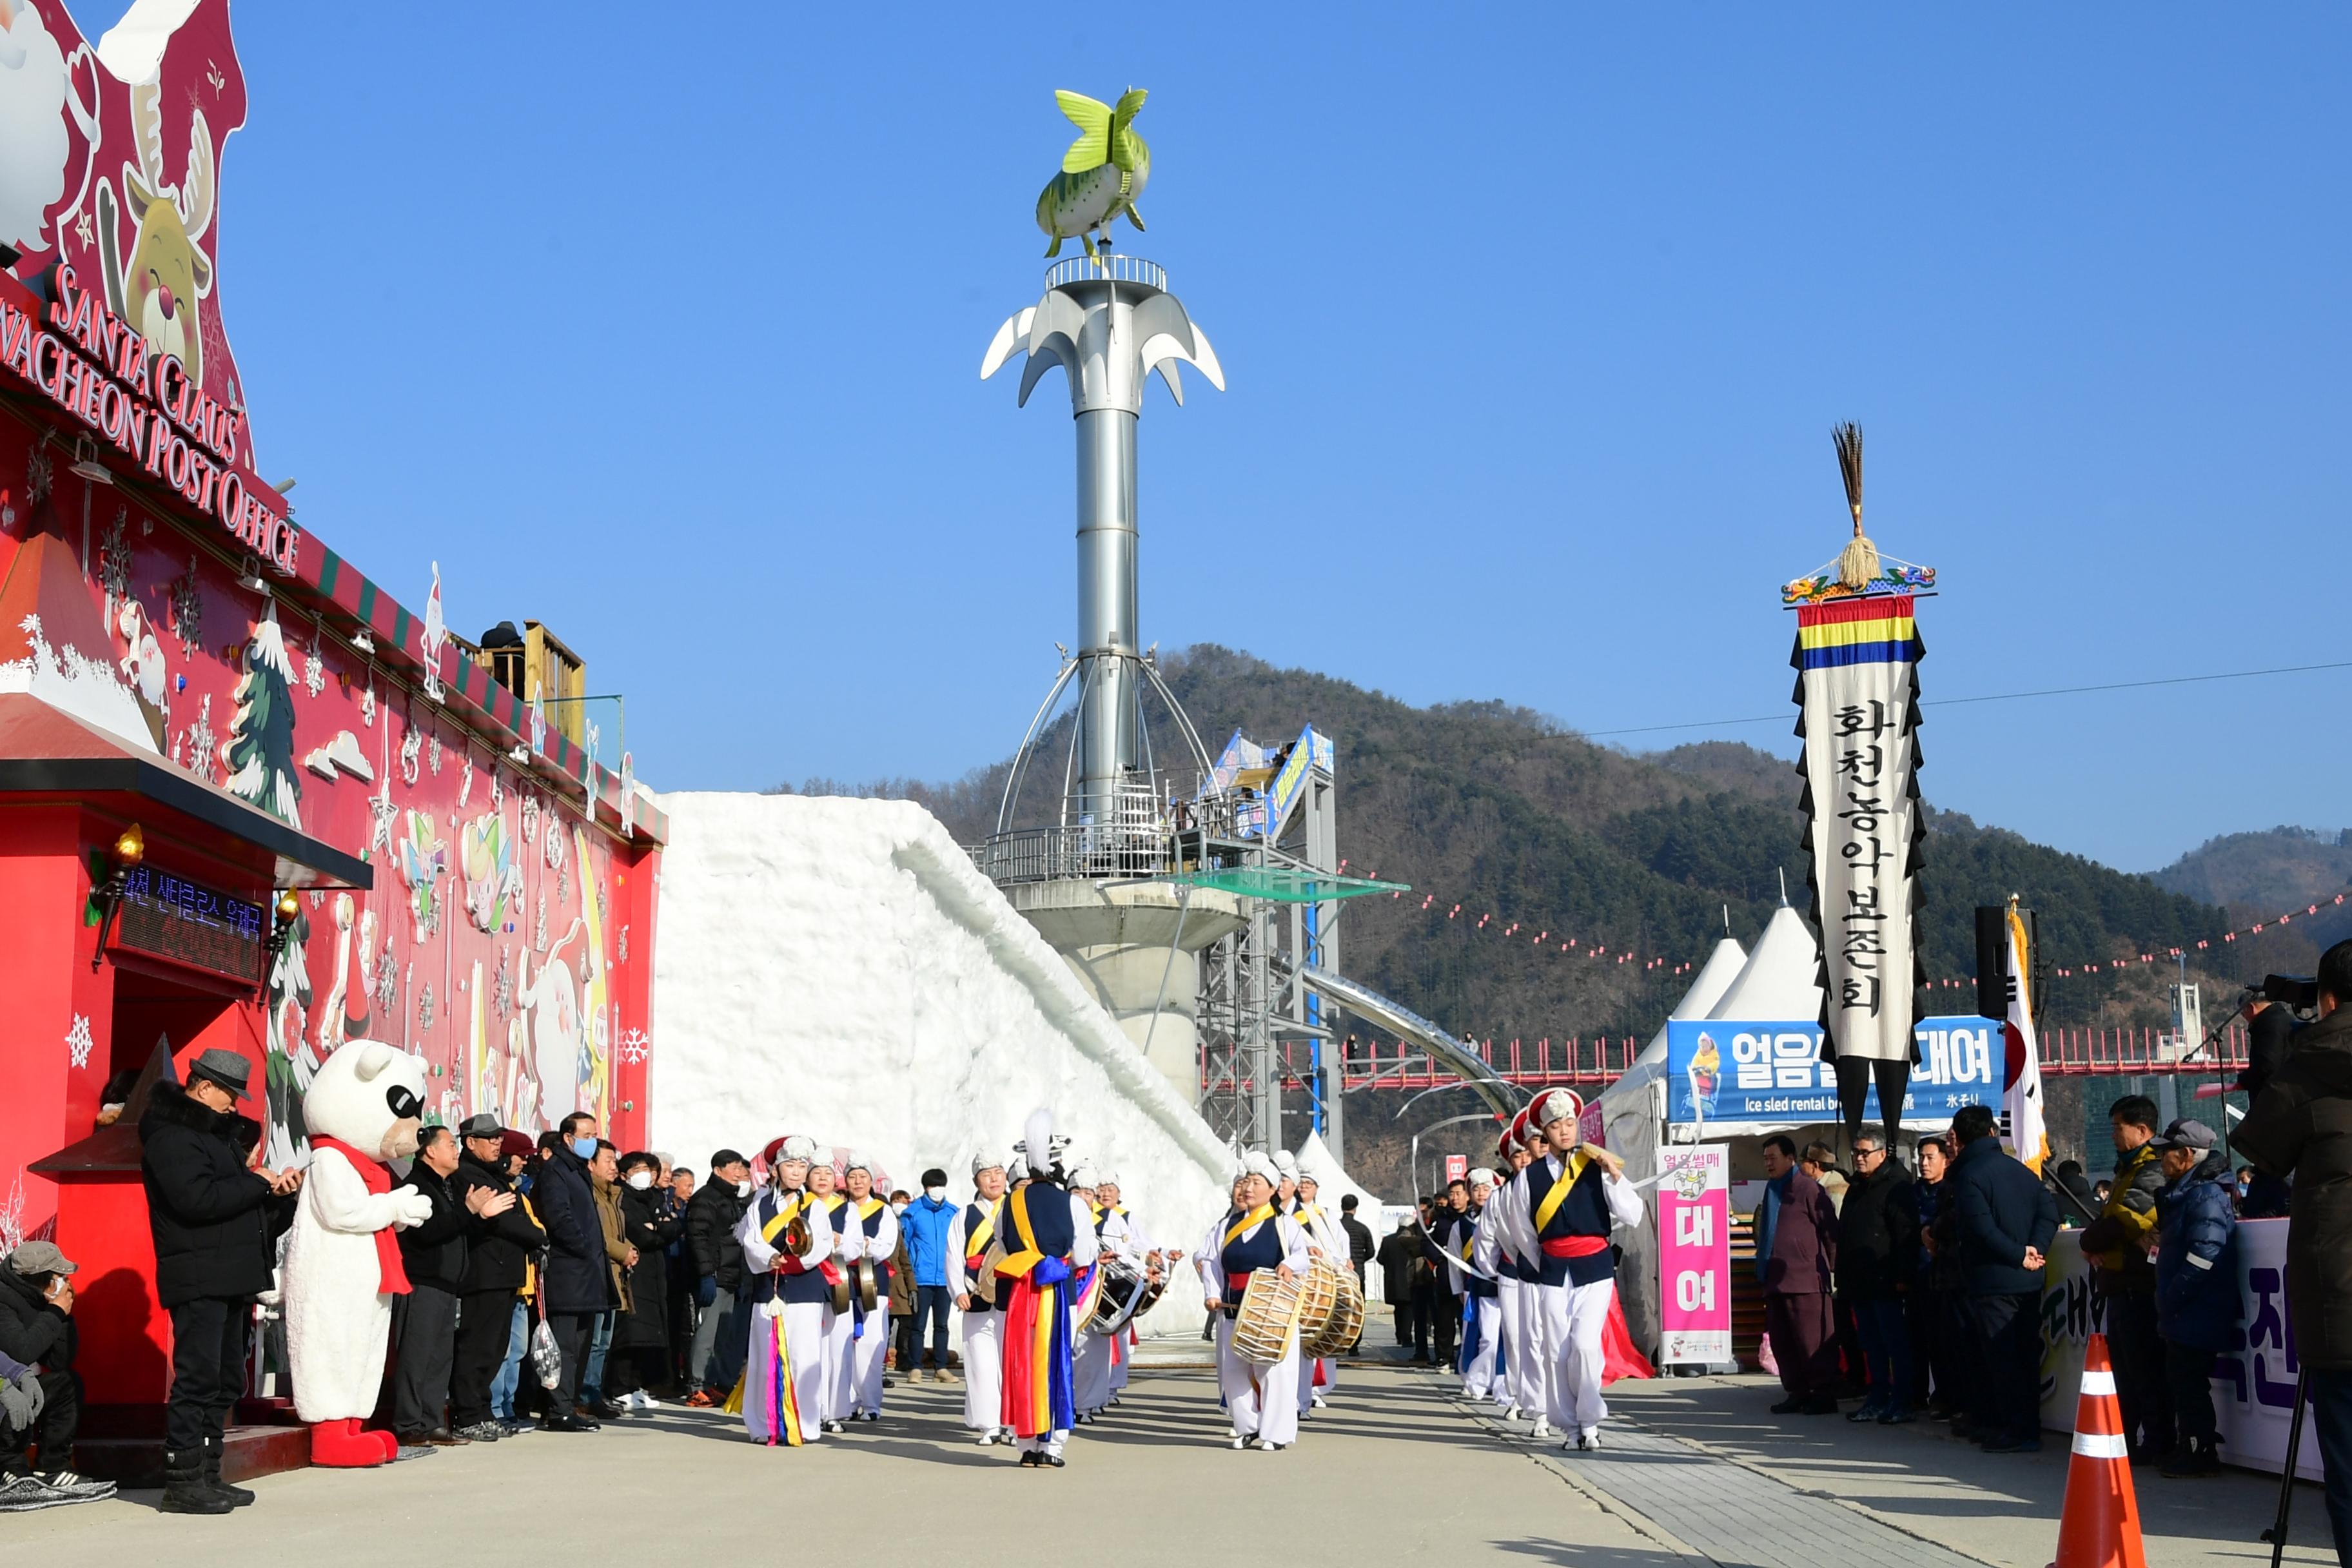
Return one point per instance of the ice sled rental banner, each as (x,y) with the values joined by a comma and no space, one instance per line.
(1857,686)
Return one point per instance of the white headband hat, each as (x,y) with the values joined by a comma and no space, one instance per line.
(984,1162)
(1255,1163)
(1482,1177)
(1286,1163)
(1017,1171)
(1106,1178)
(797,1147)
(1084,1176)
(1558,1105)
(856,1160)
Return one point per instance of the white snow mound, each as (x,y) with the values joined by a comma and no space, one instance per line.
(838,968)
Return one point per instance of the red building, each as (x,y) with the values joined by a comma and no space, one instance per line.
(347,827)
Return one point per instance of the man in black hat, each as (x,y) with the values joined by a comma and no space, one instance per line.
(500,1246)
(216,1224)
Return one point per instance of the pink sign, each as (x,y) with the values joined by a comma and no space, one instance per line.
(1457,1168)
(1695,1254)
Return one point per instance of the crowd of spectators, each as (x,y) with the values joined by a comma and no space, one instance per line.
(1916,1292)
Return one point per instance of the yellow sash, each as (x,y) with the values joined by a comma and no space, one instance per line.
(976,1243)
(1247,1222)
(867,1209)
(775,1228)
(1573,1167)
(1016,1265)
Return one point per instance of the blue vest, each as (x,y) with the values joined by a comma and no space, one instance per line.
(803,1288)
(1463,1228)
(976,1215)
(1248,1253)
(1048,1208)
(872,1225)
(1584,1212)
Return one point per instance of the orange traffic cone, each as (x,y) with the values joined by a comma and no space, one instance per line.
(2099,1526)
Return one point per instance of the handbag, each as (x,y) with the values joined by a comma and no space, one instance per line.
(546,1360)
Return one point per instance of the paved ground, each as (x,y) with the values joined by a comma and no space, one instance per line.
(1696,1473)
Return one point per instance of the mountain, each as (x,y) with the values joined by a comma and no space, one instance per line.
(2256,876)
(1509,812)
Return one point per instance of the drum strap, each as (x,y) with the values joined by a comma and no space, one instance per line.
(1248,1222)
(1573,1167)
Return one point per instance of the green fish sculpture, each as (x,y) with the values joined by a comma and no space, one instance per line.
(1102,173)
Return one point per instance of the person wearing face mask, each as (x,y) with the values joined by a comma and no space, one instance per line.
(719,1334)
(789,1250)
(641,1337)
(578,1283)
(924,1226)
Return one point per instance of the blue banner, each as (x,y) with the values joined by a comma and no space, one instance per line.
(1734,1072)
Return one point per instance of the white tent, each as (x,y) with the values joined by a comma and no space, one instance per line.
(1781,978)
(1332,1184)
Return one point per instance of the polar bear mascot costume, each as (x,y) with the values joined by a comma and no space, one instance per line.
(342,1265)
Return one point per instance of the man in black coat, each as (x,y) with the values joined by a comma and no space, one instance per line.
(2005,1219)
(424,1321)
(215,1225)
(578,1282)
(499,1246)
(1877,1256)
(37,1330)
(722,1335)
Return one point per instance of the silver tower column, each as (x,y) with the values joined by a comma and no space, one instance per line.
(1108,324)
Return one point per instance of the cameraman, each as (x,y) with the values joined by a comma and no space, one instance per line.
(2301,1126)
(2270,1035)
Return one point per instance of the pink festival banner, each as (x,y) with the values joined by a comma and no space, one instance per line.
(1695,1254)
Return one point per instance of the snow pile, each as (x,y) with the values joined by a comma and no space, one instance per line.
(838,968)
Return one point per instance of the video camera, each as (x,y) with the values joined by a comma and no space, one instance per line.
(2299,992)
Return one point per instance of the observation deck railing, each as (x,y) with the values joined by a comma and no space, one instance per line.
(1083,268)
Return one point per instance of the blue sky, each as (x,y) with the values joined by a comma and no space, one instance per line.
(662,324)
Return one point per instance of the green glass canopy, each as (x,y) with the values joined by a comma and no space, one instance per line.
(1282,884)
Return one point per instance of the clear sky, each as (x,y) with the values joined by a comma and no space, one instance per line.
(662,324)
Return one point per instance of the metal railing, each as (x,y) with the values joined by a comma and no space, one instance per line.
(1138,836)
(1084,269)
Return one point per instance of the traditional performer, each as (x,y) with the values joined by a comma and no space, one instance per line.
(1323,1235)
(1153,1263)
(872,1235)
(1563,1212)
(840,1327)
(970,1234)
(1482,1318)
(1090,1353)
(788,1255)
(1491,1252)
(1253,1236)
(1049,1238)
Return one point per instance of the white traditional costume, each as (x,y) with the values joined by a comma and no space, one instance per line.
(871,1235)
(1262,1399)
(784,1384)
(970,1234)
(1562,1216)
(1323,1234)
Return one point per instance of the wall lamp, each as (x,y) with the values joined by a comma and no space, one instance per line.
(288,909)
(124,856)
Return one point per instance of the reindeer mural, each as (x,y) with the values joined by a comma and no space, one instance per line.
(161,290)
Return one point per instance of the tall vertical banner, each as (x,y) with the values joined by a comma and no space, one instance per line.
(1857,686)
(1694,1255)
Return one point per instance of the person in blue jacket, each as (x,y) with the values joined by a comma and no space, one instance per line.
(2197,1301)
(924,1226)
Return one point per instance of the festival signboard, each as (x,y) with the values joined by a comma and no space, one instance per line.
(1694,1255)
(1729,1072)
(2253,1381)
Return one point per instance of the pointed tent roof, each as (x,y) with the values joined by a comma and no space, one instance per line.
(1781,979)
(1332,1182)
(1722,966)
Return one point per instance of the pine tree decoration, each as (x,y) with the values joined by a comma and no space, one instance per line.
(259,750)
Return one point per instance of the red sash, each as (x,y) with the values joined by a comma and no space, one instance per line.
(392,1274)
(1573,1245)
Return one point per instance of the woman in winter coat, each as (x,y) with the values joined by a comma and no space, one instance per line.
(641,1338)
(2197,1301)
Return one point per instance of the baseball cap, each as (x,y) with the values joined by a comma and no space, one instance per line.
(41,1257)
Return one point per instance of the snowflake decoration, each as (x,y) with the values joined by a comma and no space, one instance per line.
(602,912)
(367,700)
(563,884)
(625,944)
(538,927)
(410,745)
(503,996)
(188,612)
(114,562)
(387,984)
(381,813)
(530,816)
(39,471)
(433,754)
(199,739)
(465,779)
(314,669)
(635,1047)
(425,1009)
(553,844)
(78,1041)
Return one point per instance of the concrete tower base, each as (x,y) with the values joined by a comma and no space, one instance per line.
(1117,940)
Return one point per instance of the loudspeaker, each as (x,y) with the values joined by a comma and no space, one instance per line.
(1992,956)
